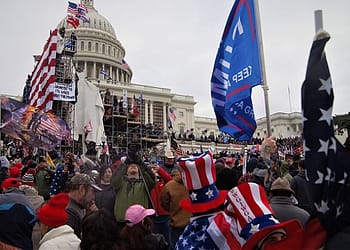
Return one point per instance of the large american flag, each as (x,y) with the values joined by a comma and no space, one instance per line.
(212,231)
(326,161)
(43,77)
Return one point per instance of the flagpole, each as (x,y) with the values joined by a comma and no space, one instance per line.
(262,63)
(318,20)
(290,103)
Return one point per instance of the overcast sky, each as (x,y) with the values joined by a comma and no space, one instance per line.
(173,44)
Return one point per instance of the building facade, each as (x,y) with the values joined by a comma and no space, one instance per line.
(101,56)
(283,125)
(99,50)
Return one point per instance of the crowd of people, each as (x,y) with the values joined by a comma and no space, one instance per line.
(258,201)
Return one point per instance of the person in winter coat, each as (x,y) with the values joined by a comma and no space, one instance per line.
(133,182)
(43,178)
(37,201)
(63,174)
(17,217)
(81,198)
(53,218)
(161,219)
(4,169)
(106,198)
(285,171)
(173,192)
(301,189)
(282,203)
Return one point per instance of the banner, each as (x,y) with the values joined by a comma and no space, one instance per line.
(236,70)
(65,92)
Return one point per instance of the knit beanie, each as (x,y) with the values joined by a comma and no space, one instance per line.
(14,172)
(53,213)
(10,183)
(18,165)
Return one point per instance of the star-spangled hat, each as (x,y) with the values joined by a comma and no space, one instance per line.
(199,176)
(254,215)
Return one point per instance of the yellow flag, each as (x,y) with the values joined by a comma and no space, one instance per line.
(50,161)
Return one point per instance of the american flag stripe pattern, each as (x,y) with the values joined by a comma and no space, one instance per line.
(48,125)
(214,231)
(177,148)
(223,231)
(198,177)
(248,205)
(326,161)
(43,77)
(171,114)
(125,65)
(72,8)
(72,20)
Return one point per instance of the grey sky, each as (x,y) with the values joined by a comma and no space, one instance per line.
(173,44)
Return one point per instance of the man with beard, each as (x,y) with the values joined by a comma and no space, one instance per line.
(81,198)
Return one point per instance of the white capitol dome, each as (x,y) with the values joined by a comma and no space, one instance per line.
(98,47)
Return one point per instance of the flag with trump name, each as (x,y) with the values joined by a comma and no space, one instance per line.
(326,160)
(236,70)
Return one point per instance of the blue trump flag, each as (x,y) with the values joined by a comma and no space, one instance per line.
(236,70)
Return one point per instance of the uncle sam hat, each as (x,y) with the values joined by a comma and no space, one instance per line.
(254,215)
(199,176)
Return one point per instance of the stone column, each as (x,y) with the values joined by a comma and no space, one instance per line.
(146,111)
(165,127)
(151,112)
(117,74)
(85,68)
(94,71)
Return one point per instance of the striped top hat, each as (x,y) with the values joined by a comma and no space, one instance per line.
(254,215)
(199,176)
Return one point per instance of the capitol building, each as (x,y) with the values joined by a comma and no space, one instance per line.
(98,49)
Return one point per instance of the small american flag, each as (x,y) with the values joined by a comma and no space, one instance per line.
(72,20)
(125,65)
(76,12)
(43,77)
(82,13)
(326,161)
(88,127)
(104,72)
(72,8)
(134,108)
(171,114)
(177,148)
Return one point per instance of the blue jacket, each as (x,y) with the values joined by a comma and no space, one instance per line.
(17,218)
